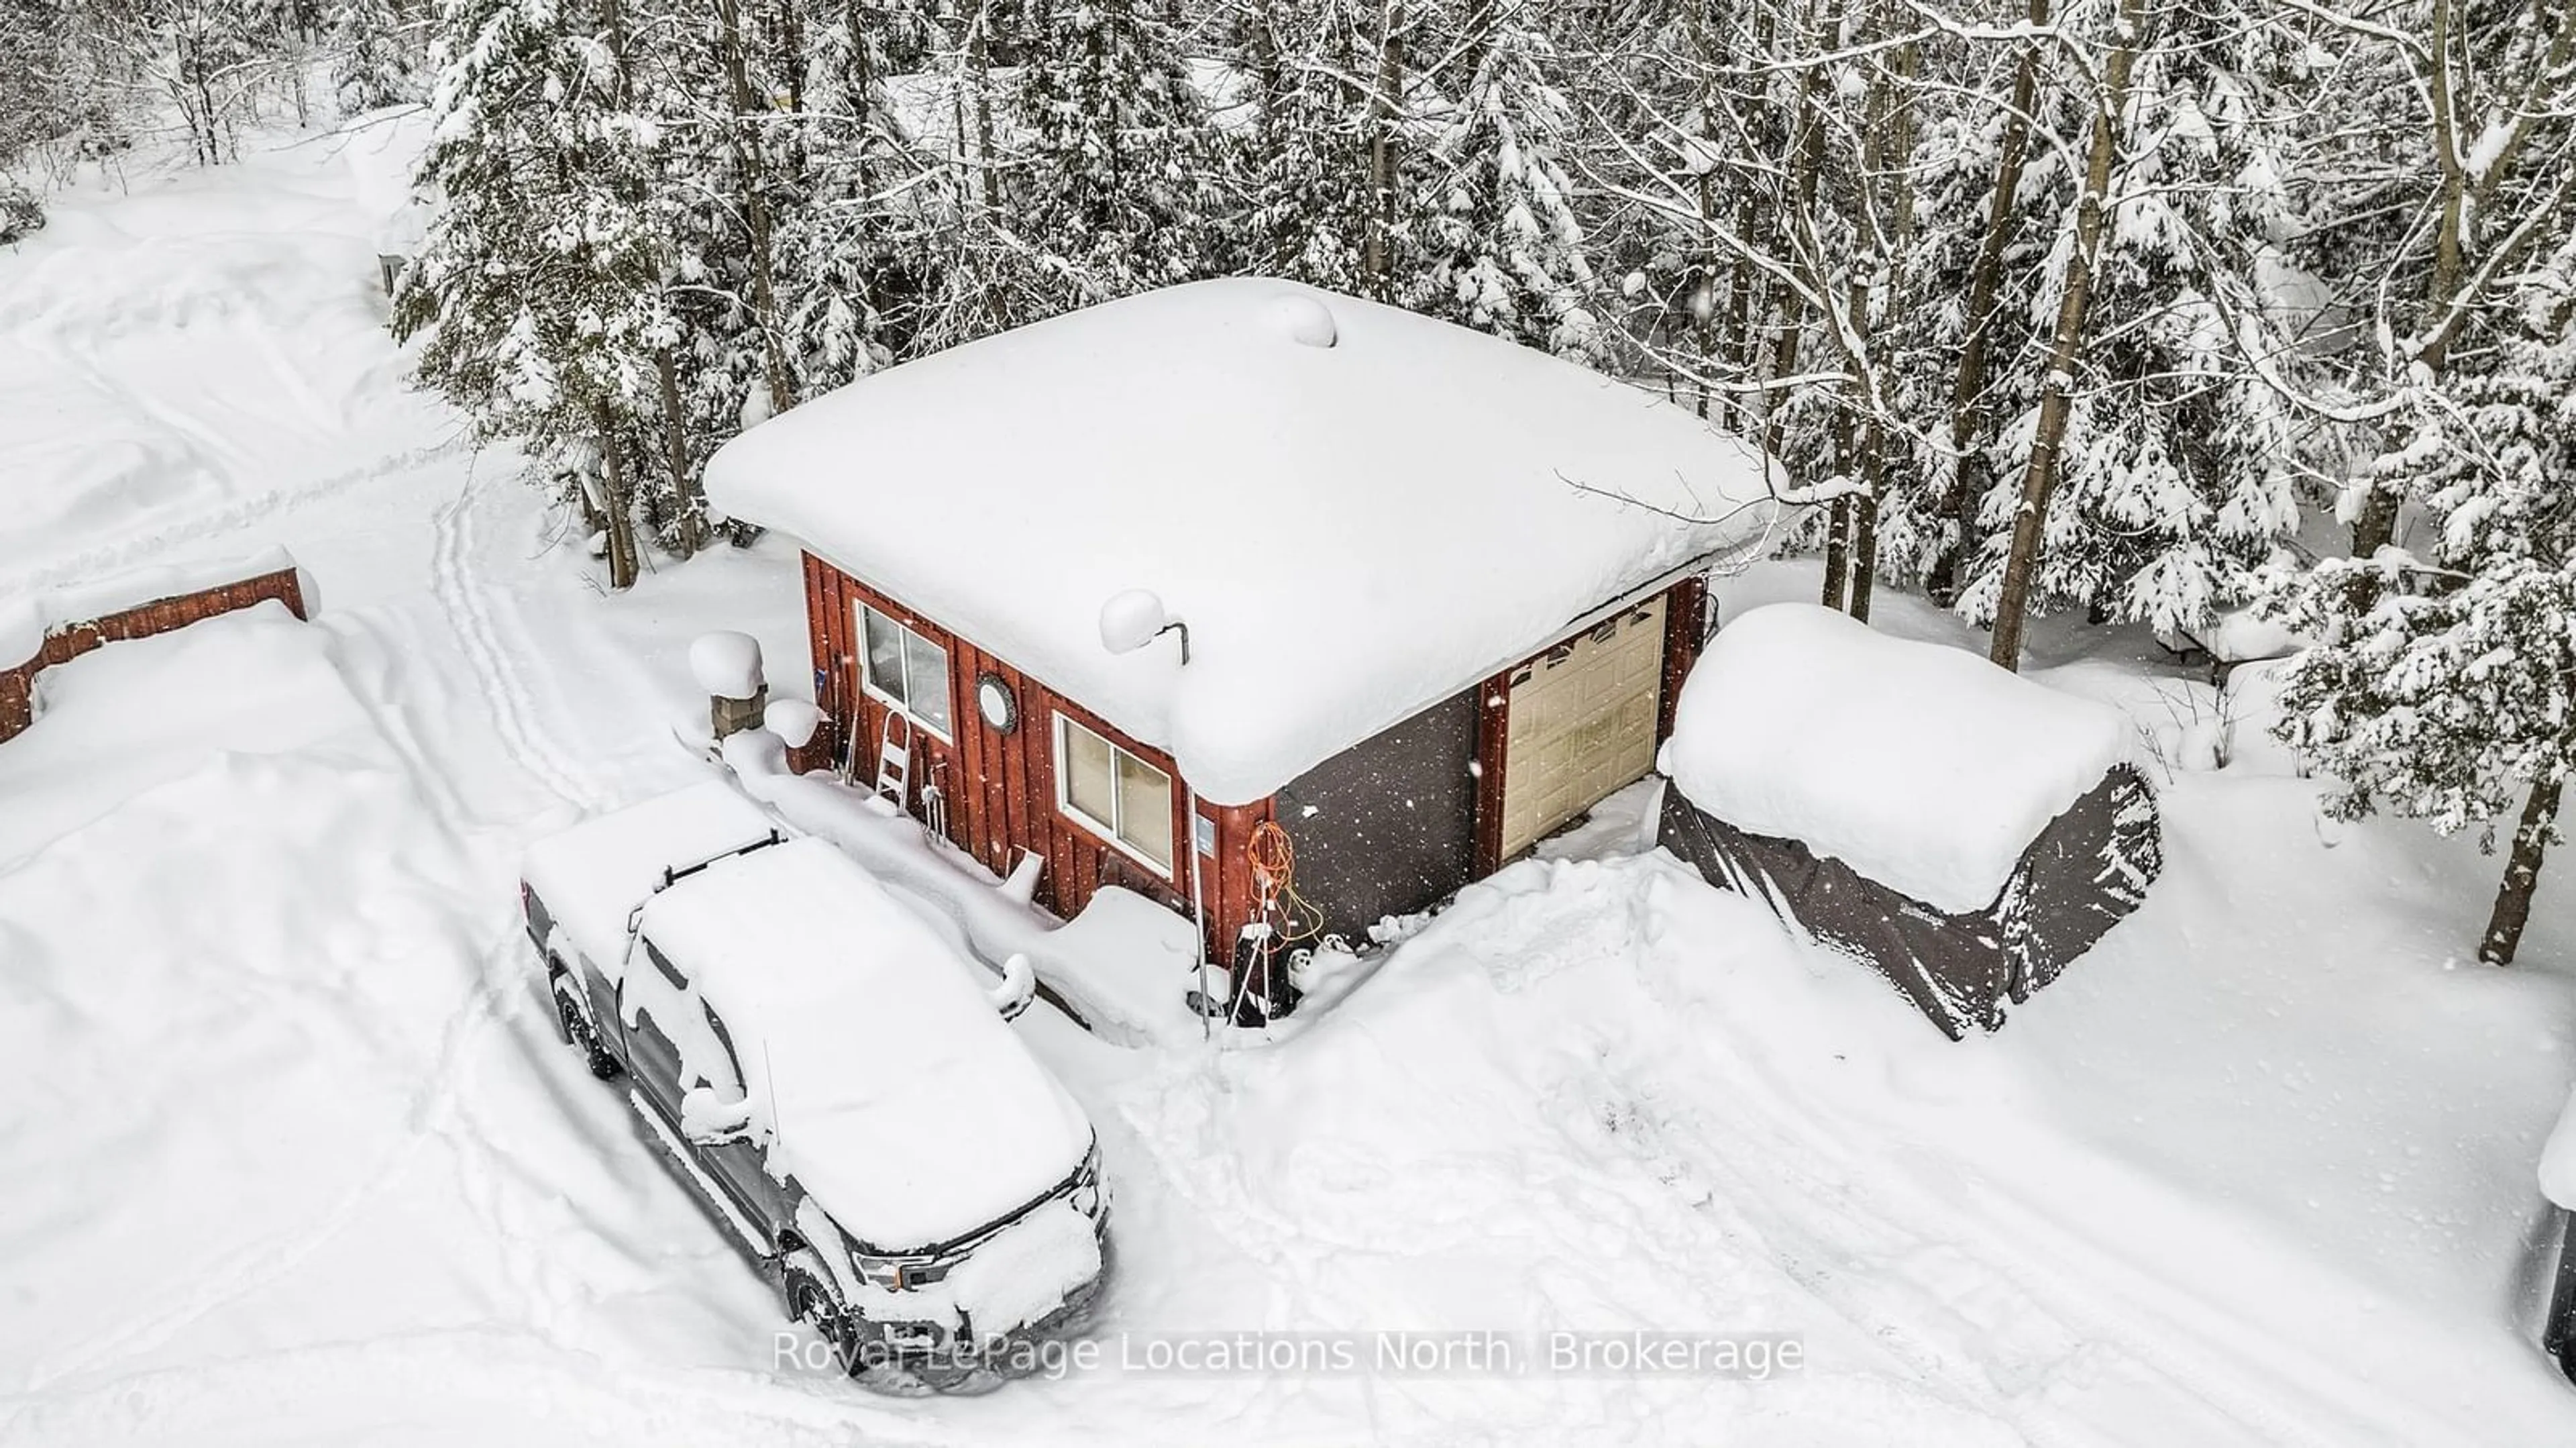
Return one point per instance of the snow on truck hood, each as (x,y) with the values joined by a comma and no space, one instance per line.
(1358,511)
(893,1090)
(1923,767)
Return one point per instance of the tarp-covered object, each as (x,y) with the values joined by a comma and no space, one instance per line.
(1923,767)
(1965,830)
(2088,868)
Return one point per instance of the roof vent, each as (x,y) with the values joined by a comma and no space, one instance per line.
(1304,320)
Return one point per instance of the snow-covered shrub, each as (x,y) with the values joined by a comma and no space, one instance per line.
(22,215)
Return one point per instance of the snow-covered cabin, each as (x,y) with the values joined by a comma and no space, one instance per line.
(1963,829)
(1435,593)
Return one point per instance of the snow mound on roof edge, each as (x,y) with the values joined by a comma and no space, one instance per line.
(1923,767)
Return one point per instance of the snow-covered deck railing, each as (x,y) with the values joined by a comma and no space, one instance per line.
(39,632)
(1962,828)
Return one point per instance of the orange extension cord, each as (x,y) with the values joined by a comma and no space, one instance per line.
(1274,877)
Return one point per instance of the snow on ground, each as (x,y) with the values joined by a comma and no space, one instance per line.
(294,1155)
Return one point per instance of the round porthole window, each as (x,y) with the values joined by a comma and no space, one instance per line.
(994,701)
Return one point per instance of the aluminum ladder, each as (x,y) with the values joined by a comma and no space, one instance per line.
(894,761)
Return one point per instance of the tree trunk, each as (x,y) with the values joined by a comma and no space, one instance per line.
(1810,164)
(2039,479)
(622,560)
(1891,131)
(980,55)
(2521,875)
(1739,316)
(1864,547)
(1703,293)
(742,132)
(1968,386)
(2376,525)
(1385,154)
(685,484)
(1838,524)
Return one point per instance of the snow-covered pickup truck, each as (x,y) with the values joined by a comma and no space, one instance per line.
(831,1077)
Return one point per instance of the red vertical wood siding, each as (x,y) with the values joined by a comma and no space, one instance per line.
(69,641)
(1232,899)
(1684,604)
(1493,729)
(1000,788)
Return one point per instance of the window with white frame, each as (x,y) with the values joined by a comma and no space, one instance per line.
(904,669)
(1113,794)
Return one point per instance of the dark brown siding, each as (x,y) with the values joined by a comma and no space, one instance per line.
(1232,898)
(1388,826)
(69,641)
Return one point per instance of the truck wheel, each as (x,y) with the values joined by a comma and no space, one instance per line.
(812,1302)
(577,1029)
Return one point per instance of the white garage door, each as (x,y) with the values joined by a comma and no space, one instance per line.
(1582,723)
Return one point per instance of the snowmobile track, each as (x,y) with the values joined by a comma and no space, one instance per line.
(458,588)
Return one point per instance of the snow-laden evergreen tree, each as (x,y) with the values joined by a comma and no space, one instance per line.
(1306,168)
(2463,117)
(794,204)
(1118,175)
(1991,190)
(372,59)
(2444,687)
(66,81)
(540,285)
(2175,471)
(852,255)
(1503,249)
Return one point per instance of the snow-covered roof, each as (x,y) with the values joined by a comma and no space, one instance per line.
(1923,767)
(593,875)
(897,1094)
(1351,531)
